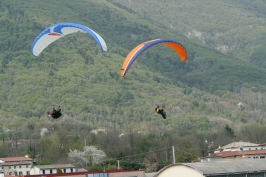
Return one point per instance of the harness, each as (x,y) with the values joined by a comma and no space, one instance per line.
(158,109)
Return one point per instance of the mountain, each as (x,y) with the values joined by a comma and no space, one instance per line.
(32,85)
(211,89)
(215,97)
(235,28)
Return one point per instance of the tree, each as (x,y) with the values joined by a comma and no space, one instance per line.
(230,131)
(185,151)
(89,155)
(129,165)
(143,145)
(59,170)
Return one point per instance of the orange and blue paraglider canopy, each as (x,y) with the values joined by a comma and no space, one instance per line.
(133,54)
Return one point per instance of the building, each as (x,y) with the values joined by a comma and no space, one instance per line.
(237,150)
(16,165)
(150,174)
(237,146)
(224,168)
(99,173)
(3,175)
(21,166)
(52,169)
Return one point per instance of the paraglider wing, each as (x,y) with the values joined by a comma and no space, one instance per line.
(131,57)
(56,31)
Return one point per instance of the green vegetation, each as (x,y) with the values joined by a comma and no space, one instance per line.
(201,96)
(234,28)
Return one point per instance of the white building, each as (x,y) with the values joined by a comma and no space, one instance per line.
(16,165)
(52,169)
(21,166)
(239,146)
(237,150)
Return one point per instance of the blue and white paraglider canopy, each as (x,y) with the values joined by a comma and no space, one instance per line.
(56,31)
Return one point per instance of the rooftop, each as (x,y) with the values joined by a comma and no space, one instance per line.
(238,144)
(15,159)
(15,163)
(225,167)
(42,167)
(240,153)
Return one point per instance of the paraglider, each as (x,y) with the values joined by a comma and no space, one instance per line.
(55,113)
(160,111)
(131,57)
(56,31)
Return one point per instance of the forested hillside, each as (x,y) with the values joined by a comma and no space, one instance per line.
(201,95)
(236,28)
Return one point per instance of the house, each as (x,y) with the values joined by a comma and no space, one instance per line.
(237,150)
(16,165)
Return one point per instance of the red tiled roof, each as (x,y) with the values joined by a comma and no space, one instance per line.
(15,159)
(240,153)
